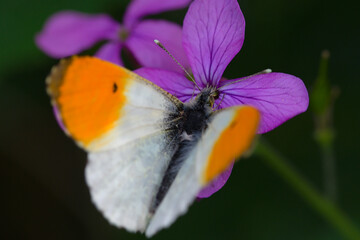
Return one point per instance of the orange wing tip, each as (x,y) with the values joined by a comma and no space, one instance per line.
(82,92)
(235,140)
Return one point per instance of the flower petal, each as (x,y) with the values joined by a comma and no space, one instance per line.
(148,54)
(216,185)
(111,52)
(278,97)
(172,82)
(213,33)
(68,32)
(140,8)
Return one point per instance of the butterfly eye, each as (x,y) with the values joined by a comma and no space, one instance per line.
(214,96)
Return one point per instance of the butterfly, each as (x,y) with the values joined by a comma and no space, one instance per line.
(149,154)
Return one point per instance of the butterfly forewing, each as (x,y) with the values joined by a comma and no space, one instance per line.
(102,105)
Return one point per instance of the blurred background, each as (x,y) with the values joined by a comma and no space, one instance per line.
(43,191)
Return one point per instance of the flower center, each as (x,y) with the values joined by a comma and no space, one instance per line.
(123,34)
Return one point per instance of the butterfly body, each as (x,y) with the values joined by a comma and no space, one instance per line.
(188,124)
(149,154)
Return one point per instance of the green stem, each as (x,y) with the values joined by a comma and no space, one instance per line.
(322,205)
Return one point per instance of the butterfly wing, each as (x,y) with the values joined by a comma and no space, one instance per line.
(122,120)
(229,135)
(123,181)
(102,105)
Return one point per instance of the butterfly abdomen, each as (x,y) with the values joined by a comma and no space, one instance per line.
(171,172)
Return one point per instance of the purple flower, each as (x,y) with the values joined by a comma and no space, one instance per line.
(67,33)
(213,33)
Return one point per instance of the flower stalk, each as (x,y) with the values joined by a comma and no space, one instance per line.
(322,205)
(323,97)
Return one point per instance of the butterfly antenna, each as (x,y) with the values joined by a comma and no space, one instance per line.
(177,62)
(268,70)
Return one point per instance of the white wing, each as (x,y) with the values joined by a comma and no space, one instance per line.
(124,181)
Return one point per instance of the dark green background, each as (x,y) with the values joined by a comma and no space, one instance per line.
(43,192)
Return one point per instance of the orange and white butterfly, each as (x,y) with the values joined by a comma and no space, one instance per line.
(149,154)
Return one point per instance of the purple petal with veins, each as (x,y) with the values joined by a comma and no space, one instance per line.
(213,34)
(148,54)
(141,8)
(278,97)
(68,32)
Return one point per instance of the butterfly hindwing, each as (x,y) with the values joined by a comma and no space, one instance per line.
(123,181)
